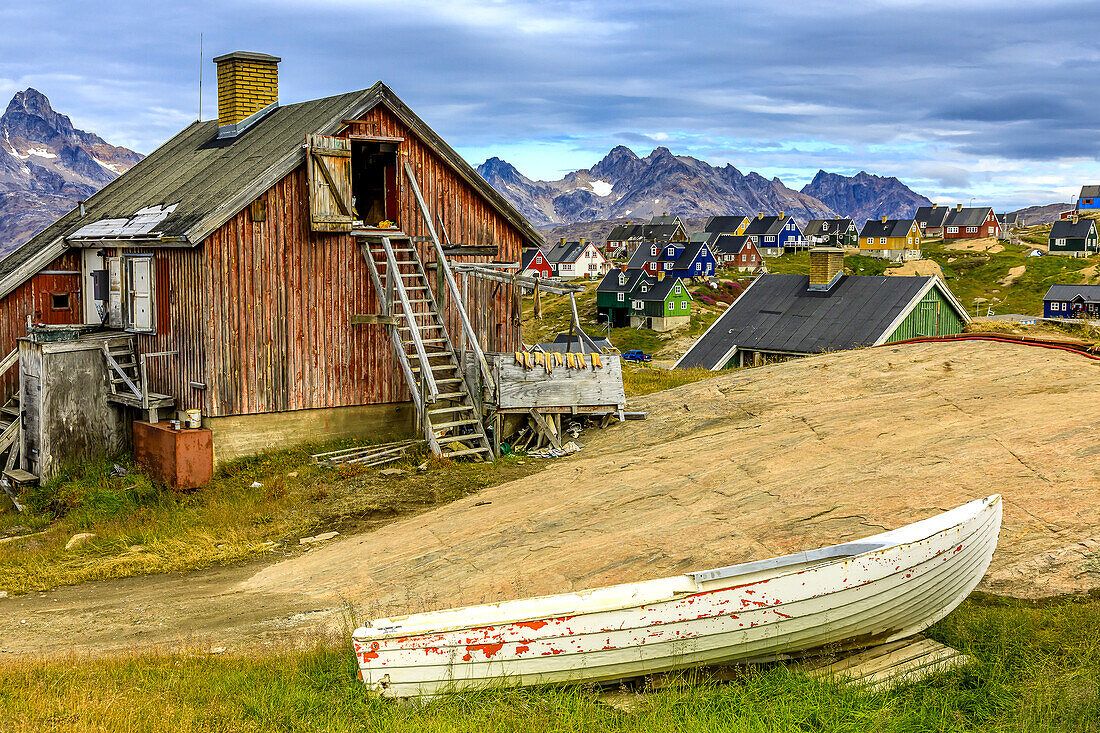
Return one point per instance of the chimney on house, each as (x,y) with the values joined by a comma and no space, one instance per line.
(782,215)
(562,241)
(826,267)
(248,89)
(958,207)
(660,275)
(582,241)
(934,205)
(884,218)
(760,215)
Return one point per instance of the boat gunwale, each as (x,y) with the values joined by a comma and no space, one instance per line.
(372,633)
(926,561)
(959,579)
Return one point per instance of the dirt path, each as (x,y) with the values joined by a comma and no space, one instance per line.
(749,465)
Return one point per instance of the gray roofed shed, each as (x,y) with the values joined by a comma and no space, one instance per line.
(779,314)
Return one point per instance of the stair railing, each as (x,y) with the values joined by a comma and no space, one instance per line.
(399,287)
(452,286)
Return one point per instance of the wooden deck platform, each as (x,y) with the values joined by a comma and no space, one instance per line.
(899,662)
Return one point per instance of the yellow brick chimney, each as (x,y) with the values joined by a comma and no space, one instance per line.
(248,88)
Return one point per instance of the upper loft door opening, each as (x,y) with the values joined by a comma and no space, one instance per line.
(374,182)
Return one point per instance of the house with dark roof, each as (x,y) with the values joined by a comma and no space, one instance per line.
(774,235)
(737,252)
(736,224)
(1072,301)
(1089,200)
(265,268)
(831,233)
(676,259)
(640,300)
(534,263)
(782,316)
(890,239)
(572,260)
(1009,221)
(569,343)
(930,219)
(970,223)
(613,296)
(1075,237)
(660,303)
(623,239)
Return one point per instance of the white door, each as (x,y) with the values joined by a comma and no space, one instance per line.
(141,293)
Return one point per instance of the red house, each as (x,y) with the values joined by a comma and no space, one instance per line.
(535,263)
(737,251)
(971,223)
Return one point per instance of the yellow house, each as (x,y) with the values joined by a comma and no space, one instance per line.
(891,239)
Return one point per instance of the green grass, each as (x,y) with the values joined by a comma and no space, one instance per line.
(642,380)
(141,528)
(1037,668)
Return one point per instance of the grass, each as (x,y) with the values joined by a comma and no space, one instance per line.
(1037,668)
(140,528)
(642,380)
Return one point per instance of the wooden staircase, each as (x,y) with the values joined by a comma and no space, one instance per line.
(129,383)
(11,440)
(449,417)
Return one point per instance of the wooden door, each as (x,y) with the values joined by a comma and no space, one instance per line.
(328,167)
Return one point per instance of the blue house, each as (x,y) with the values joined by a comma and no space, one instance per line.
(1089,198)
(774,235)
(1072,301)
(675,259)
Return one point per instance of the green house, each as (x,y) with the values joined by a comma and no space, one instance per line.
(660,303)
(613,296)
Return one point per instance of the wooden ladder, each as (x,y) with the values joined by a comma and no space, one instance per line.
(448,415)
(11,440)
(128,379)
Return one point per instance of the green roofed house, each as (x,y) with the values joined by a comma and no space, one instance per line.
(782,316)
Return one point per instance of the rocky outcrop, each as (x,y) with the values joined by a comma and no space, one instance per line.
(47,166)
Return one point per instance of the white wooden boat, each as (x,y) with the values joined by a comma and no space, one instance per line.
(871,591)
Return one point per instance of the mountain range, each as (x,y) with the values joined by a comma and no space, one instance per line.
(47,166)
(625,185)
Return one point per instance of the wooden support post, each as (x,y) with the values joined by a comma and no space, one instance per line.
(497,427)
(546,428)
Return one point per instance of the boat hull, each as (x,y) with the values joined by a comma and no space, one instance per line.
(877,590)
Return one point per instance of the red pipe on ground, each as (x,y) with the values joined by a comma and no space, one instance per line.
(1072,347)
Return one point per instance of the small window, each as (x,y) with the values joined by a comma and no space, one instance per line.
(653,251)
(882,240)
(59,301)
(683,305)
(678,291)
(870,240)
(622,297)
(698,266)
(671,306)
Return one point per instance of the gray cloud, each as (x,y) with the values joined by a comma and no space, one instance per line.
(897,87)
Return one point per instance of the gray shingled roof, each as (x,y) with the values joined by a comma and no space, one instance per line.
(931,216)
(778,313)
(623,232)
(610,282)
(211,180)
(1089,192)
(767,226)
(823,227)
(1068,229)
(888,228)
(967,217)
(658,289)
(729,244)
(1087,293)
(723,224)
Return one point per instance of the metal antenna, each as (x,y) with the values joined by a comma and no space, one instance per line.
(200,76)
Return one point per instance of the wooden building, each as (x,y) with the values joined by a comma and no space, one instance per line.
(248,254)
(972,222)
(890,239)
(783,316)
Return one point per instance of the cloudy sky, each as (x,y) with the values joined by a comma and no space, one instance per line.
(958,98)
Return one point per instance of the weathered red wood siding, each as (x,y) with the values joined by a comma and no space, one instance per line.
(31,298)
(183,323)
(281,297)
